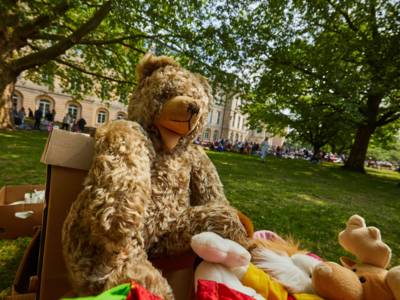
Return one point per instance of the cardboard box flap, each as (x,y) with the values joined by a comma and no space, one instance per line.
(12,193)
(11,225)
(68,149)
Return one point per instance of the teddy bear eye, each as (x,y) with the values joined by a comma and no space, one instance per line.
(354,270)
(310,275)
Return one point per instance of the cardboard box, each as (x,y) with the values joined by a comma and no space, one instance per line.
(68,156)
(26,282)
(10,226)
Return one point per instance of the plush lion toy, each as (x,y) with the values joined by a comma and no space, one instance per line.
(149,189)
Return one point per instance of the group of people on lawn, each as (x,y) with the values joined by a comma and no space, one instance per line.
(69,122)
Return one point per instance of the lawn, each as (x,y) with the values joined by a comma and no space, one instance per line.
(310,202)
(19,164)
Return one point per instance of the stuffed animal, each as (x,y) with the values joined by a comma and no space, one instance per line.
(149,188)
(285,262)
(366,280)
(229,263)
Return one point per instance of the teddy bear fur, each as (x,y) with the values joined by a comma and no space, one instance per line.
(142,199)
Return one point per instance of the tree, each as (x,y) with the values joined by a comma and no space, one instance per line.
(347,49)
(311,120)
(93,46)
(385,143)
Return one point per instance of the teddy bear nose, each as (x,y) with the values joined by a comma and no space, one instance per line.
(193,108)
(362,279)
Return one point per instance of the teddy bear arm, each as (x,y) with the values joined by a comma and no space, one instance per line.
(205,184)
(217,218)
(107,216)
(393,281)
(119,181)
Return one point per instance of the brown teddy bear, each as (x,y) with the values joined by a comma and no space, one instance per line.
(149,189)
(367,280)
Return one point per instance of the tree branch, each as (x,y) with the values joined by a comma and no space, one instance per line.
(80,69)
(41,57)
(374,27)
(388,117)
(120,39)
(21,33)
(344,14)
(47,36)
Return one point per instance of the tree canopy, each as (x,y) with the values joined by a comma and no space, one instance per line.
(92,47)
(345,52)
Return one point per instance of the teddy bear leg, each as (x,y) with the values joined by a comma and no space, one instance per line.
(140,270)
(221,219)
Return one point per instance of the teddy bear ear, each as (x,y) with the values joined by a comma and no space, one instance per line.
(347,262)
(149,63)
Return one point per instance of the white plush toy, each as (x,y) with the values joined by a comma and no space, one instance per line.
(221,258)
(274,275)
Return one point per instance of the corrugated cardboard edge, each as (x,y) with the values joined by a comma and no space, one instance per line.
(68,149)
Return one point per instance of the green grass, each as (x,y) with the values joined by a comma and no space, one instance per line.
(310,202)
(20,153)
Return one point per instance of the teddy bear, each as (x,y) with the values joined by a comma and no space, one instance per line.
(277,270)
(367,279)
(149,188)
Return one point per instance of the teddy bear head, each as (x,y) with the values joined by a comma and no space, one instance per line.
(170,102)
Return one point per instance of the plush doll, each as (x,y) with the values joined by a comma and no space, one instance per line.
(149,188)
(229,263)
(366,280)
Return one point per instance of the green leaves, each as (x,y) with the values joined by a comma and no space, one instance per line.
(328,66)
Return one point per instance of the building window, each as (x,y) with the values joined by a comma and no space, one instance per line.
(237,122)
(121,116)
(218,117)
(233,120)
(209,118)
(231,136)
(73,110)
(215,135)
(102,117)
(207,134)
(44,106)
(237,137)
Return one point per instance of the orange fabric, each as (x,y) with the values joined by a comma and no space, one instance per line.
(247,223)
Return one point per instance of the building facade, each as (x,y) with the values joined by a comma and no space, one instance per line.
(226,121)
(95,112)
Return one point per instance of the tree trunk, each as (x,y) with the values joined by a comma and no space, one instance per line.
(358,152)
(6,90)
(316,151)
